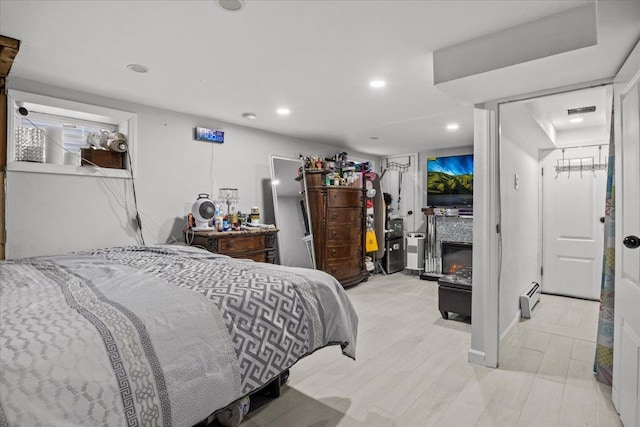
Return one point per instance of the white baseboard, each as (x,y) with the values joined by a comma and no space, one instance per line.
(513,323)
(476,356)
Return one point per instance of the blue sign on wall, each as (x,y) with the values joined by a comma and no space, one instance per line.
(204,134)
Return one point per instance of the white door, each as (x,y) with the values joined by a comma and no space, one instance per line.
(572,205)
(626,350)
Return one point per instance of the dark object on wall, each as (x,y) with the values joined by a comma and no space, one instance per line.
(102,158)
(210,135)
(387,199)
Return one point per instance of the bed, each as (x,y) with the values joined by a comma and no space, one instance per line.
(156,335)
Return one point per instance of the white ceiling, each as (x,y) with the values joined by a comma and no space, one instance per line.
(315,57)
(546,120)
(557,109)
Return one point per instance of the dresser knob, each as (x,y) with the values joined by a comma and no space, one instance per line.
(334,215)
(334,270)
(334,233)
(334,252)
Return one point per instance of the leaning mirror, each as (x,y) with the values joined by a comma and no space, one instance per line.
(295,239)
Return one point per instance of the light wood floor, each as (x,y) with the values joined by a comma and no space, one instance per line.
(412,369)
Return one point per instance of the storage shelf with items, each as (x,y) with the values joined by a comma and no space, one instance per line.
(336,172)
(371,244)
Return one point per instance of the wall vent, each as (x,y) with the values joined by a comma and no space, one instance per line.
(581,110)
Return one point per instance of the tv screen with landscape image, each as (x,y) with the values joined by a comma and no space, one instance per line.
(450,181)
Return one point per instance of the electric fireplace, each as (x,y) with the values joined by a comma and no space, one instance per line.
(457,259)
(454,288)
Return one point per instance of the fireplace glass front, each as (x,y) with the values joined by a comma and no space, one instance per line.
(457,259)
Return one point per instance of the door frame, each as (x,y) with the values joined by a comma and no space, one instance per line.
(628,73)
(486,271)
(485,328)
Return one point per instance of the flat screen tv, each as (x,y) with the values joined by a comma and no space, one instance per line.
(450,181)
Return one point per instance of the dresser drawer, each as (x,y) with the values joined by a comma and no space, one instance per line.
(344,197)
(257,257)
(345,251)
(258,245)
(344,269)
(343,235)
(231,245)
(344,216)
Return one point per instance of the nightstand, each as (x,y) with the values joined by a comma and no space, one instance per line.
(258,244)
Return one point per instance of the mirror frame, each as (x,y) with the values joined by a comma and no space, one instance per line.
(309,244)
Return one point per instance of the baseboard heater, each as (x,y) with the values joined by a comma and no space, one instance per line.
(529,298)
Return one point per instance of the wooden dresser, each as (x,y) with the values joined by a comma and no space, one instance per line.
(257,244)
(338,222)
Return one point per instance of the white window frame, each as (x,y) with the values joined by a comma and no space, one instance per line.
(126,122)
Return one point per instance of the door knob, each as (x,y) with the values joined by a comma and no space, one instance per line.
(631,242)
(602,219)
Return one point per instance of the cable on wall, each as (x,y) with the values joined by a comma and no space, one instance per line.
(135,198)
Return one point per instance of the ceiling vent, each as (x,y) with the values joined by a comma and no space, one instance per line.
(581,110)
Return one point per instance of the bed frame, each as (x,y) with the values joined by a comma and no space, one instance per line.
(257,398)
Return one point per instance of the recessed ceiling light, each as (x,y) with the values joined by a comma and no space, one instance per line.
(138,68)
(283,111)
(576,120)
(453,126)
(231,5)
(377,83)
(249,116)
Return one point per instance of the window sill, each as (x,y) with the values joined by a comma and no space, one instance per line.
(68,170)
(126,123)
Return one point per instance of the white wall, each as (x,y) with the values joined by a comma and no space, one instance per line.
(520,227)
(51,214)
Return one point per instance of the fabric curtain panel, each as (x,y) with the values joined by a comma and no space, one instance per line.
(603,365)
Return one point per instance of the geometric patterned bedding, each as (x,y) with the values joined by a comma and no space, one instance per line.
(155,335)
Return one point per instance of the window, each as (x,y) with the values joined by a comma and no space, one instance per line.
(73,133)
(48,139)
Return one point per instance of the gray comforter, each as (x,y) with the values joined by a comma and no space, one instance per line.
(156,335)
